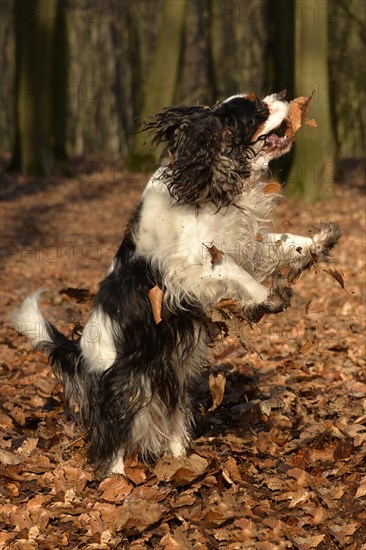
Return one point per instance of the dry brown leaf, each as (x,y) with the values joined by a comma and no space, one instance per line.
(183,500)
(311,541)
(28,446)
(214,517)
(308,346)
(311,122)
(298,110)
(300,496)
(231,467)
(217,388)
(156,300)
(344,450)
(216,254)
(272,187)
(8,459)
(115,488)
(337,276)
(299,474)
(81,295)
(138,515)
(180,469)
(319,515)
(135,472)
(153,494)
(361,491)
(169,543)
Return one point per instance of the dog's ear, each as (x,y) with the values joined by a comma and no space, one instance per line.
(194,139)
(206,153)
(242,115)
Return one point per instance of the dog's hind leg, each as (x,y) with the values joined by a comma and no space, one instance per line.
(118,466)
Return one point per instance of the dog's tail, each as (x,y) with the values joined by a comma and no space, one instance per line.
(63,354)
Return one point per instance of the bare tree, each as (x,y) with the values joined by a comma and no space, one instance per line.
(312,173)
(34,27)
(161,83)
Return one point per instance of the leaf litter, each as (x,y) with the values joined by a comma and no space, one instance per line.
(278,458)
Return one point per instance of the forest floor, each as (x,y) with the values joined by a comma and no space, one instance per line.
(280,463)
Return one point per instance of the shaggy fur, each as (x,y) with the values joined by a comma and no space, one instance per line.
(129,379)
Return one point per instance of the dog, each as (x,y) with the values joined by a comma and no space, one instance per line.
(129,379)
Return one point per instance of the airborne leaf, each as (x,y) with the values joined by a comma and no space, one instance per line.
(156,301)
(336,275)
(297,112)
(311,122)
(216,254)
(81,295)
(272,187)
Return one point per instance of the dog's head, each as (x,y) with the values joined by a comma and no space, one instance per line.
(211,152)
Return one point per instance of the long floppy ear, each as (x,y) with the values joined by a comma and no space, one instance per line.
(208,148)
(194,139)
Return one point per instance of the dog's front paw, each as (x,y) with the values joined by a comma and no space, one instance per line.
(326,239)
(279,299)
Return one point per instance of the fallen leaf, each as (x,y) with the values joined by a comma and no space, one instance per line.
(8,459)
(300,496)
(28,446)
(138,515)
(115,488)
(309,345)
(217,388)
(135,472)
(183,500)
(214,517)
(311,541)
(344,450)
(156,300)
(361,491)
(182,470)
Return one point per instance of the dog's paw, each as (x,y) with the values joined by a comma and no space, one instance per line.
(323,242)
(279,299)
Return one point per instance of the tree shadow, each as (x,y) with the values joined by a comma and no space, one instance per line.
(239,410)
(30,204)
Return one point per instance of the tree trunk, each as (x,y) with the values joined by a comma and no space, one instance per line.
(161,85)
(34,27)
(312,172)
(237,41)
(60,68)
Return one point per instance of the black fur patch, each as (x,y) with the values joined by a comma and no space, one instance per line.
(208,149)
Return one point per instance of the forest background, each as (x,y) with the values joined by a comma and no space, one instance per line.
(79,75)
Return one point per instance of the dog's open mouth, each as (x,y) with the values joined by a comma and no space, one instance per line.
(279,141)
(280,138)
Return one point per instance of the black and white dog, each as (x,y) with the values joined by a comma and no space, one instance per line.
(128,377)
